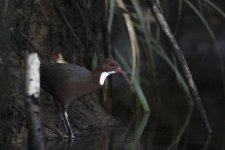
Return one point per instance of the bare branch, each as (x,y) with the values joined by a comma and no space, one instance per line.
(181,60)
(35,135)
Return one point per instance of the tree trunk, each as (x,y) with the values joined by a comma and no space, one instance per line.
(47,27)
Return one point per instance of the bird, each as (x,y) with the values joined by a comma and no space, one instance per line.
(67,82)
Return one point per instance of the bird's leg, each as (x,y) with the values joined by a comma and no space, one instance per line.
(61,110)
(66,121)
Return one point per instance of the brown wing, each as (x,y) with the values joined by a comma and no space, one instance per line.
(54,75)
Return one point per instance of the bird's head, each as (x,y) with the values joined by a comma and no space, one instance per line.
(107,67)
(111,65)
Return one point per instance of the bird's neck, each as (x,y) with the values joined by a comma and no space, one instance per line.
(100,77)
(103,76)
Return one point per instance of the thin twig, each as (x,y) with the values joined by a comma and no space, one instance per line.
(181,60)
(6,5)
(59,9)
(87,25)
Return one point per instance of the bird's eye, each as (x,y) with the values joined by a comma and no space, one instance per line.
(111,64)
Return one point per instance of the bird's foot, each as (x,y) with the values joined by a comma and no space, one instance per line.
(64,136)
(67,136)
(71,136)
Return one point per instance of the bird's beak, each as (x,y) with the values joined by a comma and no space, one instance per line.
(120,70)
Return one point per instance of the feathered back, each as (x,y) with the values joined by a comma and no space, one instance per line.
(54,75)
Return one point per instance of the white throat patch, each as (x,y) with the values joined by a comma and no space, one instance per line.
(104,75)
